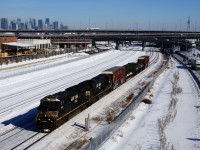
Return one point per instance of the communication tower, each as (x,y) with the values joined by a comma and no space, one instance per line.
(188,24)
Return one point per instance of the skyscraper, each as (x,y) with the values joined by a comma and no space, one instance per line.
(4,23)
(13,25)
(19,23)
(22,26)
(32,22)
(47,21)
(40,24)
(55,25)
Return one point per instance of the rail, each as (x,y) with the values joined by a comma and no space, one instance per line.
(96,142)
(190,71)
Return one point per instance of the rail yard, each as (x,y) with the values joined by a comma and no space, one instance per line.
(19,104)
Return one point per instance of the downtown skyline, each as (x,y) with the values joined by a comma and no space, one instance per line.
(109,14)
(30,24)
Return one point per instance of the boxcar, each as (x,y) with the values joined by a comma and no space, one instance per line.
(131,69)
(117,75)
(144,60)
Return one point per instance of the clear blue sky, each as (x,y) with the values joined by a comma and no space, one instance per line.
(112,14)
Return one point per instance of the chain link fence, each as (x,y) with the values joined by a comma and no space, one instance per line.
(96,142)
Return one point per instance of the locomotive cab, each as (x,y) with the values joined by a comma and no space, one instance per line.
(48,111)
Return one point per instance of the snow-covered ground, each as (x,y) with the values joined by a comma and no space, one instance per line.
(140,131)
(180,118)
(69,132)
(192,52)
(20,95)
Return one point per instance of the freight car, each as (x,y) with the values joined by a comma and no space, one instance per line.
(117,74)
(144,60)
(132,69)
(56,109)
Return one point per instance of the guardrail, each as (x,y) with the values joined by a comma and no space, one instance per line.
(119,120)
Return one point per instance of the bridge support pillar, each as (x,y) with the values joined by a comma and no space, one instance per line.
(94,44)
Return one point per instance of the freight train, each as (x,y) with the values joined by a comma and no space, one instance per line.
(56,109)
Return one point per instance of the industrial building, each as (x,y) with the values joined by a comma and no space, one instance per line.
(38,43)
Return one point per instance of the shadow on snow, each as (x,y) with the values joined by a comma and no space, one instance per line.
(193,139)
(24,121)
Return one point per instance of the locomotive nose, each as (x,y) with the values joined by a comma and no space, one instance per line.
(45,121)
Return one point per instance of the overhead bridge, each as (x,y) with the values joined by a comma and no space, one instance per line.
(69,37)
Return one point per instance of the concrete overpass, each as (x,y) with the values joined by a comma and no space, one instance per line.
(85,36)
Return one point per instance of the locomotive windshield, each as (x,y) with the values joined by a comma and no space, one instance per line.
(49,105)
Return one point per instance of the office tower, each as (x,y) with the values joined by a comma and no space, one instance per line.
(47,23)
(13,25)
(4,23)
(40,24)
(32,22)
(55,25)
(19,23)
(61,26)
(22,26)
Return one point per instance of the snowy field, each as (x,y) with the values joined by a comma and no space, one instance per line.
(68,132)
(20,94)
(172,121)
(22,90)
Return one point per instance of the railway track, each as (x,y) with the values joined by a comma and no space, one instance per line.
(155,60)
(47,83)
(19,124)
(30,141)
(54,90)
(15,131)
(195,72)
(35,137)
(33,67)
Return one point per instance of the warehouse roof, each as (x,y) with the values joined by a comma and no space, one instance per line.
(17,44)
